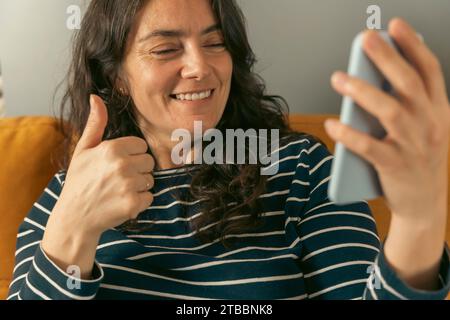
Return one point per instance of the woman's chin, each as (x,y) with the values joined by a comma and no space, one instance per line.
(198,111)
(186,118)
(198,123)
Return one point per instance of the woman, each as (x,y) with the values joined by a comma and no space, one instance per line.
(121,221)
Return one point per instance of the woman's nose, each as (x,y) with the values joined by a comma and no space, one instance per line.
(195,64)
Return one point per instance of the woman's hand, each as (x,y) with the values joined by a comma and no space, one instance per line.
(412,160)
(106,185)
(107,182)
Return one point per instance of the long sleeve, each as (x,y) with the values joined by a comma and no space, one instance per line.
(35,276)
(343,257)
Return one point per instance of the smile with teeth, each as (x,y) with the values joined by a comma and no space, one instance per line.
(193,96)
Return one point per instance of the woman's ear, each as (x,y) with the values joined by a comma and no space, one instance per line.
(121,83)
(121,87)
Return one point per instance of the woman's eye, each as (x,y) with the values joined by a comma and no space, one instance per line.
(164,52)
(169,51)
(217,45)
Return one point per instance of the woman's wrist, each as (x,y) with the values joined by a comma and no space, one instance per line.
(68,245)
(414,249)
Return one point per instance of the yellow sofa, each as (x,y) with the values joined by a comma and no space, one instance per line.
(27,163)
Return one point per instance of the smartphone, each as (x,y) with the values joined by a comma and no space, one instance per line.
(354,179)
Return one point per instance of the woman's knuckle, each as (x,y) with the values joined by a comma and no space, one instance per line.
(151,181)
(120,165)
(436,137)
(126,186)
(433,64)
(393,115)
(130,205)
(357,85)
(411,84)
(151,162)
(148,199)
(144,145)
(364,146)
(342,132)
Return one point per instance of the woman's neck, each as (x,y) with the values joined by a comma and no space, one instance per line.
(161,146)
(163,157)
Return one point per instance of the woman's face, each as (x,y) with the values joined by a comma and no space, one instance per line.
(175,48)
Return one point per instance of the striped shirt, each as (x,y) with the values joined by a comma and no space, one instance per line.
(307,248)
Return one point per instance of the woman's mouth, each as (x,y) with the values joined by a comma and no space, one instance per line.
(194,98)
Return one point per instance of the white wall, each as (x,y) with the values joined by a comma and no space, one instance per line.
(34,51)
(2,108)
(299,44)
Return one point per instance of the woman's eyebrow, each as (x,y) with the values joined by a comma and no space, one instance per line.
(176,33)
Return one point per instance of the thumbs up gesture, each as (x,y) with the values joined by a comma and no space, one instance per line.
(107,182)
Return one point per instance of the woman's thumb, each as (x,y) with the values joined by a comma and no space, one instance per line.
(95,127)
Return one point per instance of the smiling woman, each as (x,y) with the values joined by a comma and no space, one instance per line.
(156,60)
(136,226)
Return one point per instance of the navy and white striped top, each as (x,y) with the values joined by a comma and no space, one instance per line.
(308,247)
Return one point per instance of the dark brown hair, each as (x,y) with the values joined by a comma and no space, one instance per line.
(98,52)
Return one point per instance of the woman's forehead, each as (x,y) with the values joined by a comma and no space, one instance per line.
(185,15)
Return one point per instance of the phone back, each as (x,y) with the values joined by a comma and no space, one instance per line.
(352,178)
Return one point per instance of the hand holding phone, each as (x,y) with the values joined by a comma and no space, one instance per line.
(354,179)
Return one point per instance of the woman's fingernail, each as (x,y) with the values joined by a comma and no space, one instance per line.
(340,80)
(374,40)
(330,125)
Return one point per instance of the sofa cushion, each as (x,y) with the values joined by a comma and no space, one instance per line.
(26,145)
